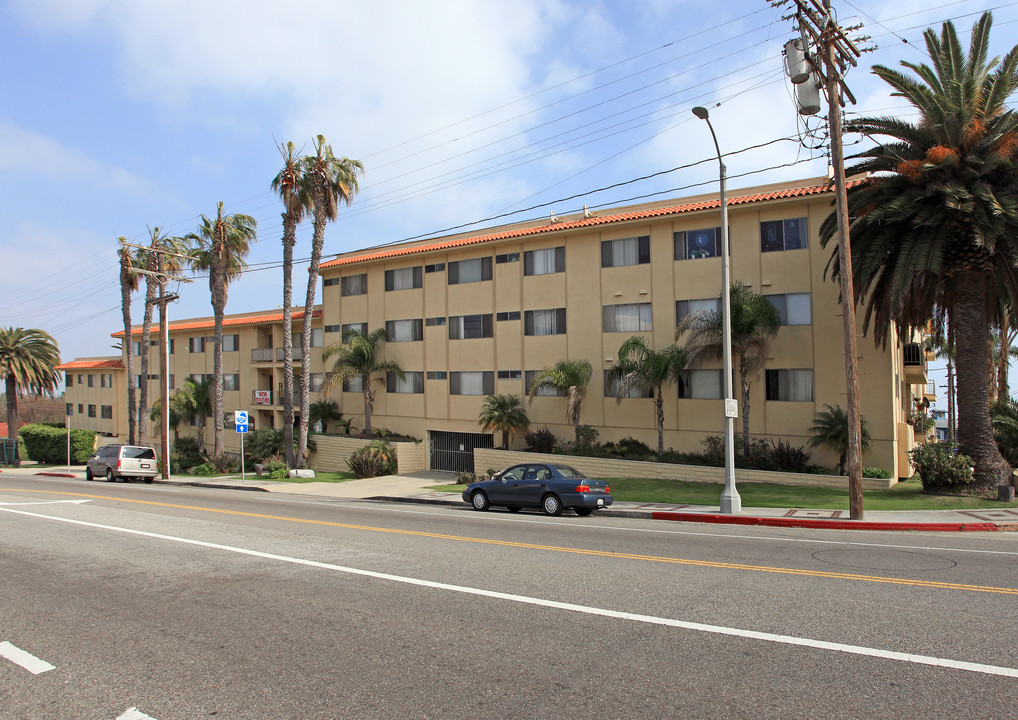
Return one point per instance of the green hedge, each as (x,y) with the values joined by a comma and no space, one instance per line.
(47,444)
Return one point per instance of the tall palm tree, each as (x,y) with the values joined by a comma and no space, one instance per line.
(194,401)
(830,429)
(128,285)
(641,366)
(173,419)
(569,378)
(936,224)
(505,413)
(359,356)
(755,322)
(27,362)
(220,246)
(290,184)
(330,180)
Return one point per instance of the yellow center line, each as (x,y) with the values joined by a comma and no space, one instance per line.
(554,548)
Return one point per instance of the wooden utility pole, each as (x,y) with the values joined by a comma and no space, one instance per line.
(834,53)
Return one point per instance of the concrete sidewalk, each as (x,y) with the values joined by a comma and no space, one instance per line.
(414,488)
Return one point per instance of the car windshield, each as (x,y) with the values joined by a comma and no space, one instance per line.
(141,453)
(568,471)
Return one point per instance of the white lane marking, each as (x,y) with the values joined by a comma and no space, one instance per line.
(48,502)
(133,713)
(26,660)
(571,607)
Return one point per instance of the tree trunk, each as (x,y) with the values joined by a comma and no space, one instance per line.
(317,241)
(289,240)
(217,277)
(975,434)
(952,426)
(369,402)
(660,412)
(146,338)
(12,417)
(745,413)
(125,306)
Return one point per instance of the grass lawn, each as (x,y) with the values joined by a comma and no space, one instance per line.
(329,477)
(906,495)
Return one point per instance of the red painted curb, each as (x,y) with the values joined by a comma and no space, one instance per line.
(53,474)
(823,524)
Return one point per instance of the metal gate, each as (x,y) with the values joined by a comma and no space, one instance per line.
(454,452)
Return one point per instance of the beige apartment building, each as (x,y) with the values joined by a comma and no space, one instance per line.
(479,313)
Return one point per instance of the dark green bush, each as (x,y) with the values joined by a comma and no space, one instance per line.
(48,444)
(541,440)
(941,466)
(787,458)
(876,472)
(374,459)
(185,454)
(204,469)
(586,436)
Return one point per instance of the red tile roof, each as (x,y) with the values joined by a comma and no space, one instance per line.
(587,222)
(91,364)
(227,322)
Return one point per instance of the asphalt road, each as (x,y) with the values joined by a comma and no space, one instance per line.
(149,601)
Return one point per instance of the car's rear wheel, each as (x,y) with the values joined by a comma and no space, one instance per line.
(148,479)
(109,475)
(88,474)
(584,512)
(551,504)
(513,508)
(480,500)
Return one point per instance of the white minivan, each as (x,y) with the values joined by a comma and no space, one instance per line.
(123,461)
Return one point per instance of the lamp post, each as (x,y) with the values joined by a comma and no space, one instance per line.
(731,501)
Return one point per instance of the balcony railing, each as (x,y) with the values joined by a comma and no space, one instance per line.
(261,397)
(261,355)
(914,359)
(296,394)
(296,353)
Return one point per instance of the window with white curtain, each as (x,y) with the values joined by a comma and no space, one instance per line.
(353,285)
(231,382)
(362,328)
(793,308)
(317,380)
(625,251)
(611,388)
(544,322)
(544,262)
(544,390)
(354,384)
(468,271)
(231,343)
(404,330)
(403,278)
(465,327)
(472,383)
(630,317)
(683,308)
(412,382)
(790,385)
(317,337)
(700,384)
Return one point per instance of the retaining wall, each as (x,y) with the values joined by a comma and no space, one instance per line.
(333,450)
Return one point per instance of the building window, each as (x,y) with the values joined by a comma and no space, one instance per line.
(468,271)
(437,267)
(329,282)
(81,378)
(136,348)
(627,251)
(404,330)
(231,382)
(632,317)
(106,412)
(361,328)
(91,380)
(544,262)
(788,234)
(544,390)
(611,388)
(106,380)
(507,258)
(68,409)
(317,337)
(91,411)
(81,408)
(231,343)
(695,244)
(509,374)
(466,327)
(793,308)
(412,382)
(172,382)
(333,328)
(403,278)
(434,321)
(511,315)
(544,322)
(316,381)
(700,384)
(353,285)
(472,383)
(68,379)
(790,385)
(354,384)
(684,308)
(196,344)
(436,375)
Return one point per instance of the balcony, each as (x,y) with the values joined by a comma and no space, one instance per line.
(931,392)
(295,353)
(914,360)
(261,355)
(296,394)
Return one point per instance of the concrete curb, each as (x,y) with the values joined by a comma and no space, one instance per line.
(827,524)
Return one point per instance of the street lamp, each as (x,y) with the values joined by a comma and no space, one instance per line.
(731,501)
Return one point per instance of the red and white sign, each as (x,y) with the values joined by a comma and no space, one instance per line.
(263,397)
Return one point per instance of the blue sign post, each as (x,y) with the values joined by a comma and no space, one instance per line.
(240,420)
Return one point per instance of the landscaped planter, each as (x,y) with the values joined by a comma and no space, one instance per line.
(332,452)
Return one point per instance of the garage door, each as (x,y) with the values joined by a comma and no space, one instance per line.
(454,452)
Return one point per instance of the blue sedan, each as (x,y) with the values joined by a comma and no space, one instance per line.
(549,486)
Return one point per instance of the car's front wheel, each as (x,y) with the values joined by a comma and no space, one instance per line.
(480,500)
(551,505)
(88,474)
(109,475)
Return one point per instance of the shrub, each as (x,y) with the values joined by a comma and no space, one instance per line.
(876,472)
(374,459)
(941,466)
(185,454)
(541,440)
(205,469)
(48,444)
(586,436)
(787,458)
(224,464)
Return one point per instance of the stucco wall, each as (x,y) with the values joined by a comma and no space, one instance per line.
(333,450)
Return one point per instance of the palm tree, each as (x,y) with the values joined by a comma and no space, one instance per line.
(128,285)
(755,322)
(292,189)
(27,362)
(156,414)
(569,378)
(324,411)
(358,356)
(330,180)
(830,429)
(935,224)
(641,366)
(220,247)
(194,401)
(505,413)
(1004,417)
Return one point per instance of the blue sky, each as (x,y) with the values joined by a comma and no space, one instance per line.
(119,115)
